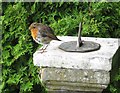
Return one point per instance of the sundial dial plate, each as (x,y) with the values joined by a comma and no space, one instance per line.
(87,46)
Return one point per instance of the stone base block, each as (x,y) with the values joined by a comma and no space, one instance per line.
(74,80)
(65,91)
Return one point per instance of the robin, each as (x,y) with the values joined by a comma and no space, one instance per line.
(42,34)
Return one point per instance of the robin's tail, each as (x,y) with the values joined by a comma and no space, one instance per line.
(54,38)
(58,39)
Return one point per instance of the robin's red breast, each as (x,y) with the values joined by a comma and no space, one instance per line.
(42,34)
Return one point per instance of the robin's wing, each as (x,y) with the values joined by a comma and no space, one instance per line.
(48,32)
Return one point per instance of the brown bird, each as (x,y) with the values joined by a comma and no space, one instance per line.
(42,34)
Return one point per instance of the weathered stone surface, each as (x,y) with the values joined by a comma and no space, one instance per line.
(75,75)
(65,91)
(97,60)
(74,79)
(72,72)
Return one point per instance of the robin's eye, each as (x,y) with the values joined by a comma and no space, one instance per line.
(33,27)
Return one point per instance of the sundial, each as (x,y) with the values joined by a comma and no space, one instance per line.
(79,45)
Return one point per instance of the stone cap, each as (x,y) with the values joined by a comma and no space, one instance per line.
(95,60)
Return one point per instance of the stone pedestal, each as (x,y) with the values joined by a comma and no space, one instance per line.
(71,72)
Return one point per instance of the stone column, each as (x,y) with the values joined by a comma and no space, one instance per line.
(71,72)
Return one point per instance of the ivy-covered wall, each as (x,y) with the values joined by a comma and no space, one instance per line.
(19,75)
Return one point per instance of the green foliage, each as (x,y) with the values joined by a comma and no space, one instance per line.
(18,73)
(115,85)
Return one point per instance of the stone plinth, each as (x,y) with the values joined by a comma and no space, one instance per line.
(72,72)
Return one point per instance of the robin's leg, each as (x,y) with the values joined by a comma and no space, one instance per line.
(41,50)
(45,46)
